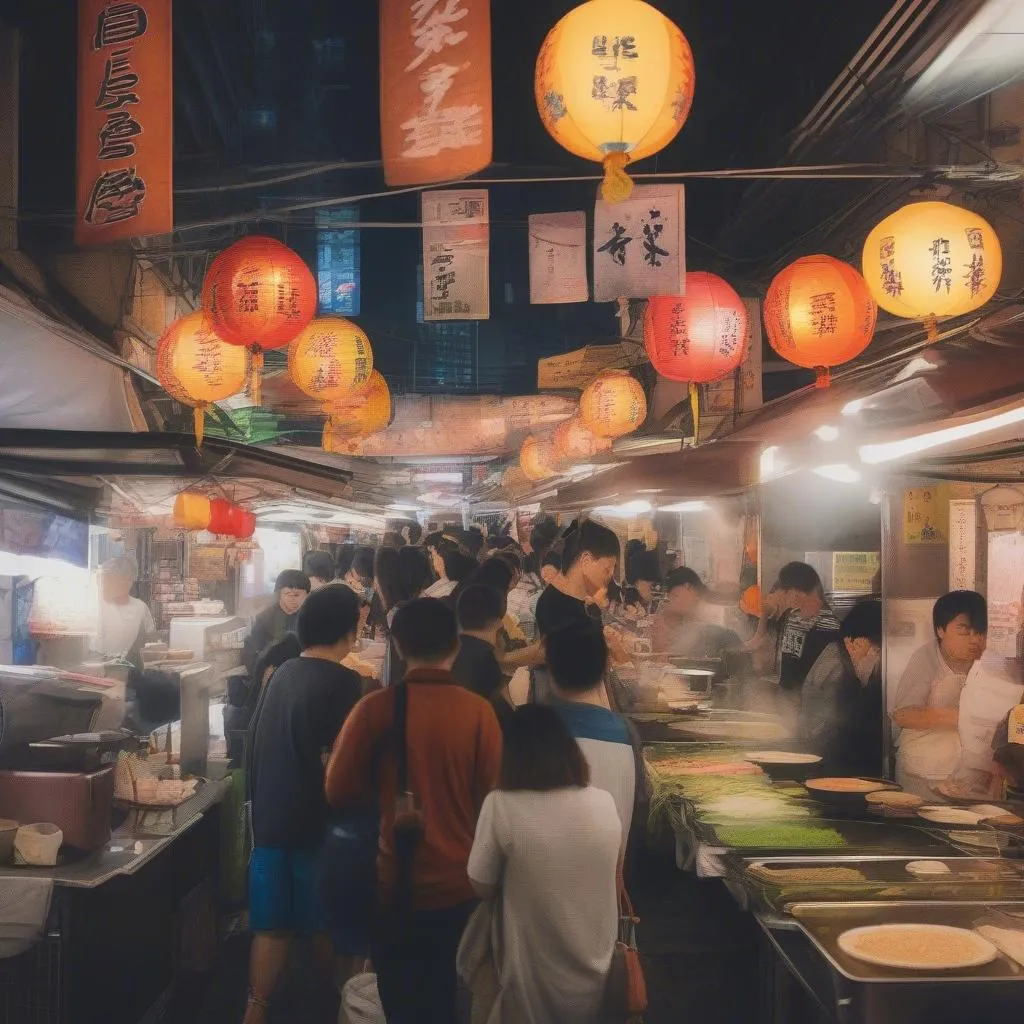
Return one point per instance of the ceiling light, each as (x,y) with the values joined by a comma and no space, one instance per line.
(827,433)
(854,407)
(840,472)
(630,508)
(685,506)
(769,463)
(875,453)
(401,506)
(438,478)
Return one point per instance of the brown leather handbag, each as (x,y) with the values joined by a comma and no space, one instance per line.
(627,989)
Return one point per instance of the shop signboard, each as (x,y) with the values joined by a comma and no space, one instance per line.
(435,82)
(639,245)
(558,258)
(854,572)
(926,515)
(456,255)
(125,118)
(579,368)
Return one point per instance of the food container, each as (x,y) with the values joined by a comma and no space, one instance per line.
(847,800)
(38,844)
(780,764)
(8,830)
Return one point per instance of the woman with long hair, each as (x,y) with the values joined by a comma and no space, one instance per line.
(547,846)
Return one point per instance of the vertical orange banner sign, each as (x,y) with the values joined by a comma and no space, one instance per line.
(435,89)
(125,116)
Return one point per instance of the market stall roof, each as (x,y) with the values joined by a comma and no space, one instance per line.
(967,379)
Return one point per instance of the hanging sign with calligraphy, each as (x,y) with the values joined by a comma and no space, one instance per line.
(435,89)
(558,258)
(639,245)
(125,115)
(456,255)
(741,391)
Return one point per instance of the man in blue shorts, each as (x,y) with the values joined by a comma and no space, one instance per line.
(302,711)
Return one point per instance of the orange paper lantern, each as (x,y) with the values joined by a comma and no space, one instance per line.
(258,293)
(330,360)
(574,441)
(613,405)
(699,337)
(750,601)
(614,83)
(537,458)
(819,313)
(360,415)
(191,511)
(196,367)
(931,260)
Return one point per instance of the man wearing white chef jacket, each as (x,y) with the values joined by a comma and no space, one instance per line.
(926,710)
(124,621)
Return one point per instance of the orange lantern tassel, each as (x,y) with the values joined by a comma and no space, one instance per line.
(256,376)
(199,419)
(931,326)
(695,410)
(617,185)
(823,378)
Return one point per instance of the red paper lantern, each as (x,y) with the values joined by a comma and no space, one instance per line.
(698,337)
(260,294)
(230,520)
(819,313)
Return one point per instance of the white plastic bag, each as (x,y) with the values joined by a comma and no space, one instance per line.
(360,1001)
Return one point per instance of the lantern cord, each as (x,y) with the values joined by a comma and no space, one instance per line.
(695,410)
(199,419)
(823,378)
(256,376)
(617,185)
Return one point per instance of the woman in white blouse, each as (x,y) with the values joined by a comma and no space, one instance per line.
(547,845)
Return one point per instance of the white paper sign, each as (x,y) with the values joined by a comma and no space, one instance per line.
(963,544)
(1005,585)
(558,258)
(639,245)
(456,255)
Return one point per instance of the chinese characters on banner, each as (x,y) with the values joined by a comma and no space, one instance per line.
(963,544)
(435,81)
(456,255)
(639,247)
(125,114)
(558,258)
(926,515)
(741,391)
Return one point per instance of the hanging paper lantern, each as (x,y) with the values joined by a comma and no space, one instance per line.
(258,293)
(750,601)
(196,367)
(818,314)
(360,415)
(699,337)
(614,84)
(614,404)
(330,360)
(191,511)
(575,442)
(930,260)
(537,458)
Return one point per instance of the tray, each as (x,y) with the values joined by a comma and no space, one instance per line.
(823,923)
(861,837)
(971,879)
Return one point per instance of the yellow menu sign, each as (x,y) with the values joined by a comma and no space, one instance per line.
(853,572)
(926,515)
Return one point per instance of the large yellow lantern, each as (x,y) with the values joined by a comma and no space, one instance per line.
(931,260)
(537,458)
(614,84)
(197,367)
(361,414)
(613,405)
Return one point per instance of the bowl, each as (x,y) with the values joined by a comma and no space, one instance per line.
(845,793)
(38,844)
(784,764)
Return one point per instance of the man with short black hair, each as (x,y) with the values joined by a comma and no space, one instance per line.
(810,625)
(300,713)
(481,610)
(577,657)
(451,750)
(319,567)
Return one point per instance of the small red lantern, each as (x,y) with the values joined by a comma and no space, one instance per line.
(230,520)
(260,294)
(699,337)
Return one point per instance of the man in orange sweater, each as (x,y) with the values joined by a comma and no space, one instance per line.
(433,780)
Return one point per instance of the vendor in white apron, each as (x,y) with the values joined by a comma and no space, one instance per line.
(925,713)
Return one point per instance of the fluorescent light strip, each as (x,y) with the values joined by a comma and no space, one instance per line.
(875,453)
(685,506)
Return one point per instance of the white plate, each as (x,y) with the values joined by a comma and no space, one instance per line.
(949,815)
(780,757)
(975,950)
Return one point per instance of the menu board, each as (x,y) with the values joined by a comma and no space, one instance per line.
(208,563)
(853,572)
(926,515)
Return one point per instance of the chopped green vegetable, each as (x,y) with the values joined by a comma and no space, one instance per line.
(779,836)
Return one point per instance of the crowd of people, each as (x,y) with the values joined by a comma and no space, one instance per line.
(385,813)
